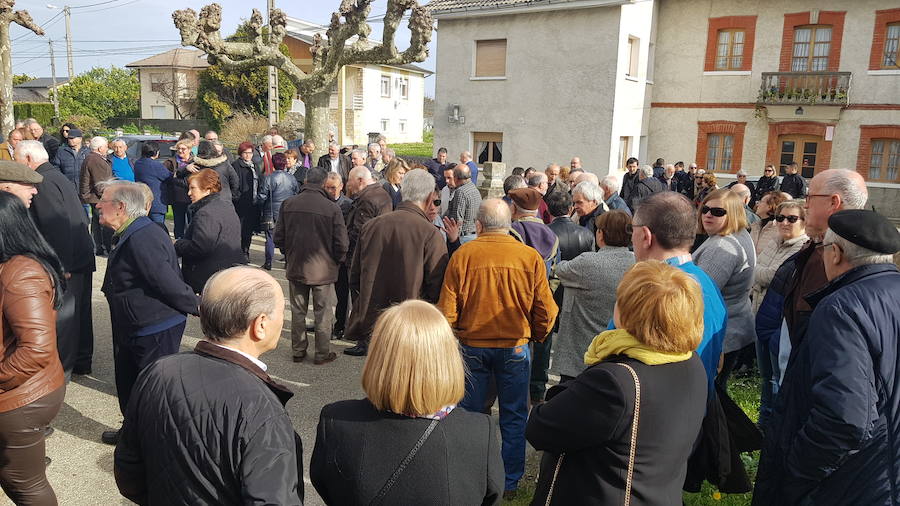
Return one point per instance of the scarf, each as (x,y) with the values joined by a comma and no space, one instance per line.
(620,342)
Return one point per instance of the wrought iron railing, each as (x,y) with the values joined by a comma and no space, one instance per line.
(805,88)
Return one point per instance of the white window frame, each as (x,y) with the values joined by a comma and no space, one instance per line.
(385,124)
(385,90)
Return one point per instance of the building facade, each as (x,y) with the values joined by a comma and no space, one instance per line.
(366,99)
(730,85)
(812,82)
(169,83)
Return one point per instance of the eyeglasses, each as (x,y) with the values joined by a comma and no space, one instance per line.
(718,212)
(791,219)
(818,195)
(629,229)
(768,170)
(436,202)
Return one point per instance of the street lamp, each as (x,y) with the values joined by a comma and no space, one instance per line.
(68,14)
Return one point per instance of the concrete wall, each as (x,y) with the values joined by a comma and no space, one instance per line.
(679,77)
(556,100)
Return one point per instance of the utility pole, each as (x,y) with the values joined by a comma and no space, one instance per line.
(68,13)
(273,76)
(53,74)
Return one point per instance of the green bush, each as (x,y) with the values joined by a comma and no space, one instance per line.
(42,112)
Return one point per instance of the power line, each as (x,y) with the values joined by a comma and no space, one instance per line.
(107,8)
(44,25)
(92,5)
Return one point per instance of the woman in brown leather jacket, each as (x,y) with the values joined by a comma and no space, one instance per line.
(32,386)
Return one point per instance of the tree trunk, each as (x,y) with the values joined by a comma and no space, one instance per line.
(316,121)
(7,118)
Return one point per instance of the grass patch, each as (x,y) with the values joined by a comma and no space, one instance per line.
(424,148)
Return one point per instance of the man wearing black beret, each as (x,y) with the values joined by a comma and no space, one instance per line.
(839,439)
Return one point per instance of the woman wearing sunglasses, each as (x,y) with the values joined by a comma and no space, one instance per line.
(728,256)
(790,222)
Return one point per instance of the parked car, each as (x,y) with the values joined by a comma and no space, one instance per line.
(135,142)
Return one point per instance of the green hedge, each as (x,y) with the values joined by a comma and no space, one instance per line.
(41,111)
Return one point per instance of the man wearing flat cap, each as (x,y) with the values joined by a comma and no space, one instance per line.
(531,230)
(840,403)
(18,179)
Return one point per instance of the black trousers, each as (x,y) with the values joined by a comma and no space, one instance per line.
(540,363)
(80,285)
(23,473)
(133,353)
(248,214)
(181,217)
(342,290)
(102,235)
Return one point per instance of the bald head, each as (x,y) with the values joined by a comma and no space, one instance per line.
(493,216)
(587,176)
(233,302)
(847,184)
(743,191)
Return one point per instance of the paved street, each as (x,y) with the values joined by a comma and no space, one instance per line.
(82,468)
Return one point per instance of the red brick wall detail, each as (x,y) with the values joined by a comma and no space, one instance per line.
(799,128)
(882,19)
(734,128)
(866,134)
(791,21)
(747,23)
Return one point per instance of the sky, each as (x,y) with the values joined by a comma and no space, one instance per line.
(118,32)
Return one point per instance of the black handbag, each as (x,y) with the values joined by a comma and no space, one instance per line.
(405,462)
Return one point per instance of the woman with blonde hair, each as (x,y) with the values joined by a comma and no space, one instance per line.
(729,257)
(393,178)
(624,428)
(407,442)
(709,183)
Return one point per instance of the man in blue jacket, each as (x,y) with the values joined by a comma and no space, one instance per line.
(148,299)
(836,432)
(151,172)
(70,157)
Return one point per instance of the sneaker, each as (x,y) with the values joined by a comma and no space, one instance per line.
(360,350)
(328,358)
(110,437)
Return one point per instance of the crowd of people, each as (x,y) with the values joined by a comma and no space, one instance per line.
(644,294)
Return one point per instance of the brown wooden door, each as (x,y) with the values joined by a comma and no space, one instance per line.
(803,149)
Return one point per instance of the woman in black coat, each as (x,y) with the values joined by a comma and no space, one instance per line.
(212,241)
(413,379)
(393,178)
(181,166)
(586,428)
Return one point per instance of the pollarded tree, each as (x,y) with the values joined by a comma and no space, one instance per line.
(23,19)
(329,53)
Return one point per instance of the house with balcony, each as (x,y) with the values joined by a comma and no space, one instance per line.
(366,99)
(812,82)
(730,85)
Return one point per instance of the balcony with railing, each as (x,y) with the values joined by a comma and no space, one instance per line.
(805,88)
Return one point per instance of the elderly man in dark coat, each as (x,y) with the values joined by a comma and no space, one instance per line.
(148,299)
(313,237)
(96,169)
(400,255)
(59,215)
(835,434)
(228,438)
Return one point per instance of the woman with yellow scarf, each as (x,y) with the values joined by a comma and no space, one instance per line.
(622,431)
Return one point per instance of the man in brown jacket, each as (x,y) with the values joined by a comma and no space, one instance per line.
(369,200)
(399,256)
(96,168)
(497,299)
(310,232)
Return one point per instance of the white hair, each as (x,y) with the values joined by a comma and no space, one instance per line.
(278,141)
(589,190)
(358,152)
(855,254)
(98,142)
(845,182)
(132,195)
(611,183)
(741,172)
(267,138)
(647,170)
(34,149)
(375,145)
(119,140)
(417,186)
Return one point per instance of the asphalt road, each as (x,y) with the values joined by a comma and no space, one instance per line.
(82,469)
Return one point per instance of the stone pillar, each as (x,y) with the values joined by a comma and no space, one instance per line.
(490,179)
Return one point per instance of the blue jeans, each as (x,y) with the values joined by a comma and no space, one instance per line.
(270,246)
(510,368)
(181,214)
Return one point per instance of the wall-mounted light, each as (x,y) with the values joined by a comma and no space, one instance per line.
(798,111)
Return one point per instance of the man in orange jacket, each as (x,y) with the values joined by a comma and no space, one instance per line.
(497,299)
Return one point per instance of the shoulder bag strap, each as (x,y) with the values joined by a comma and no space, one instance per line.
(634,432)
(397,472)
